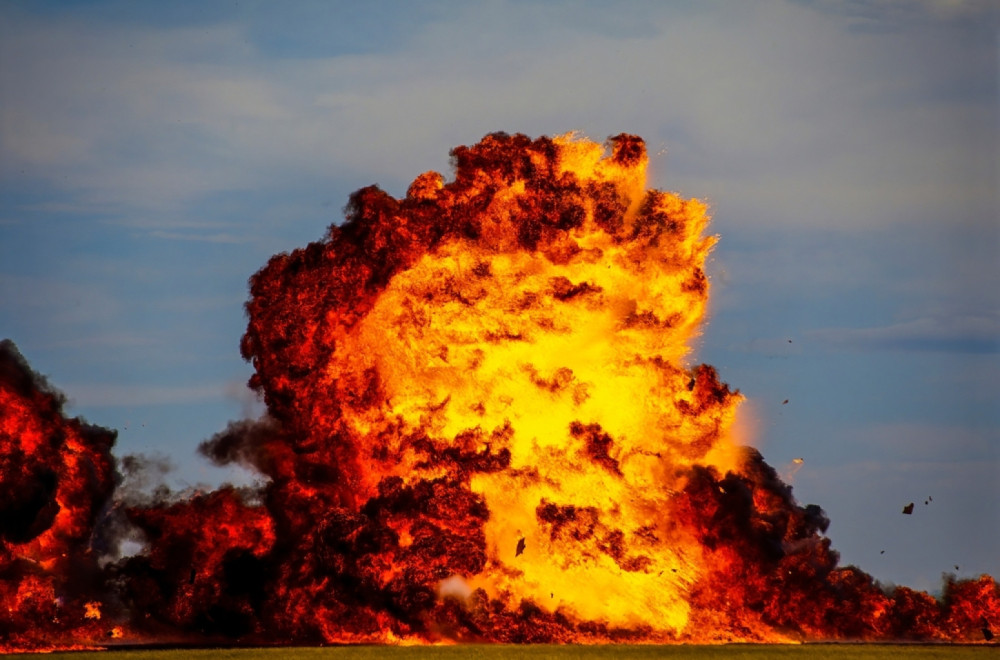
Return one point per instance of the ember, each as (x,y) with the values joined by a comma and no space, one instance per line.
(481,427)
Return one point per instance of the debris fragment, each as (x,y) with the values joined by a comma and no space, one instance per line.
(798,461)
(520,547)
(908,509)
(784,402)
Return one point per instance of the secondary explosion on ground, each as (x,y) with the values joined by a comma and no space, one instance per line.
(480,427)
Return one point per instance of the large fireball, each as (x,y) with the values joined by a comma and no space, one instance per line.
(486,381)
(483,424)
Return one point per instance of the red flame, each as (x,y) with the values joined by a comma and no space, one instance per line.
(56,478)
(480,427)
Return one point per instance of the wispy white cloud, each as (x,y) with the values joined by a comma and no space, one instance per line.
(105,395)
(167,223)
(892,15)
(774,347)
(203,238)
(151,118)
(914,443)
(109,340)
(76,207)
(69,303)
(958,333)
(191,304)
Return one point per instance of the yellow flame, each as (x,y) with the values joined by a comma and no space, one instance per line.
(519,346)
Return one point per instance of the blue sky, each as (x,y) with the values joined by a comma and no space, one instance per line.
(154,155)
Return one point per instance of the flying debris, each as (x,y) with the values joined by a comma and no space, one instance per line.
(908,509)
(501,356)
(784,402)
(798,461)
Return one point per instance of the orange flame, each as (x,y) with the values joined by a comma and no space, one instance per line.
(481,425)
(56,476)
(492,373)
(566,359)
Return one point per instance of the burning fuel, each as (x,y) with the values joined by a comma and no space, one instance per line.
(481,426)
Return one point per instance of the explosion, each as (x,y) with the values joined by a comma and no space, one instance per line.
(480,426)
(56,478)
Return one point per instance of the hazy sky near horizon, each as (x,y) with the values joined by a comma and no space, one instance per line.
(154,155)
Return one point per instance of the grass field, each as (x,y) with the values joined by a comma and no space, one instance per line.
(542,652)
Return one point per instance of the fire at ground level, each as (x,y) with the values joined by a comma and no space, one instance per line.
(817,651)
(481,427)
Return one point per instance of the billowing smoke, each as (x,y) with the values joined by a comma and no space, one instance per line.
(57,476)
(481,425)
